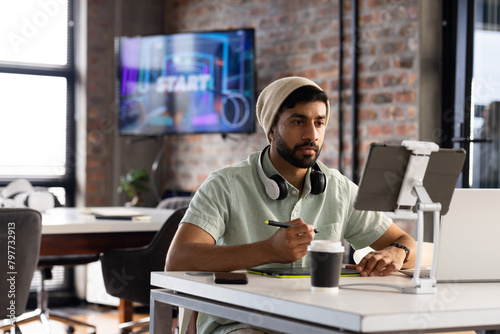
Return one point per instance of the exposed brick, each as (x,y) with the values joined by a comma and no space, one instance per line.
(370,82)
(412,78)
(413,11)
(287,19)
(393,79)
(367,115)
(297,61)
(406,129)
(380,130)
(367,50)
(95,176)
(366,19)
(392,113)
(364,146)
(307,45)
(292,38)
(308,73)
(346,83)
(328,71)
(376,3)
(393,47)
(91,188)
(379,65)
(405,96)
(92,163)
(330,41)
(412,112)
(404,62)
(319,26)
(380,98)
(408,30)
(319,57)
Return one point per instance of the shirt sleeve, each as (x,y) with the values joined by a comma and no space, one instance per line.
(209,208)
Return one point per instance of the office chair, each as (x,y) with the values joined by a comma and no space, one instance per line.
(20,235)
(45,265)
(175,202)
(127,272)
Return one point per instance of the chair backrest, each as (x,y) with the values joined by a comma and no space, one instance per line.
(126,272)
(20,235)
(175,202)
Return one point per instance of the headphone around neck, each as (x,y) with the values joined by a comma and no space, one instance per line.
(276,186)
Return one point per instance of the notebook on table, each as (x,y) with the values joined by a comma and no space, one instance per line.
(469,237)
(295,272)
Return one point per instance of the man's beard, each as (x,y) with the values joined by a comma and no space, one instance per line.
(289,154)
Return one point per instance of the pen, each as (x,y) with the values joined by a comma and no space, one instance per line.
(281,224)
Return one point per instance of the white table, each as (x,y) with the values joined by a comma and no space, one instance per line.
(79,220)
(287,305)
(73,231)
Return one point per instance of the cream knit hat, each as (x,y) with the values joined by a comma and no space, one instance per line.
(272,97)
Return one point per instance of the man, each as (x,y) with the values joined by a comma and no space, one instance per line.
(224,228)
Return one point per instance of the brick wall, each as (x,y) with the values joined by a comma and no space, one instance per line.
(100,122)
(293,37)
(299,37)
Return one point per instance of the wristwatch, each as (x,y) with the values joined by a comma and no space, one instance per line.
(406,249)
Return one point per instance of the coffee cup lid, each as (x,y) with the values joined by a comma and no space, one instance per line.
(327,246)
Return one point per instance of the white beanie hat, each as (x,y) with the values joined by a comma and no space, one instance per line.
(274,95)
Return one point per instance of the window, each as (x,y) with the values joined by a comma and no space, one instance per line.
(37,76)
(471,107)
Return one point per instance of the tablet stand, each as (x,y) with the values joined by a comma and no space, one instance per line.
(413,192)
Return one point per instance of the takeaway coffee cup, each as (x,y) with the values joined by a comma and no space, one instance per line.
(325,259)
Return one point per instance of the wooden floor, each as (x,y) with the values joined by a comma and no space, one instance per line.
(104,318)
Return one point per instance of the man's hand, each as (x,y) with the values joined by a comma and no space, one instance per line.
(387,259)
(290,244)
(382,262)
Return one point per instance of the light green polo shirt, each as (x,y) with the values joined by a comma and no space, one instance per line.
(232,206)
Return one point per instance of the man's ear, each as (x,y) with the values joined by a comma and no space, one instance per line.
(271,133)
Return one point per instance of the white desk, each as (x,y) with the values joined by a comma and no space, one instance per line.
(287,305)
(71,231)
(75,220)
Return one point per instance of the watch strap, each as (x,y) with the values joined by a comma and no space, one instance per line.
(406,249)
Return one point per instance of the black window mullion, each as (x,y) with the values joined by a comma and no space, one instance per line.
(458,33)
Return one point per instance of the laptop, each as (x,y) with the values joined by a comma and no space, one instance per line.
(469,238)
(295,272)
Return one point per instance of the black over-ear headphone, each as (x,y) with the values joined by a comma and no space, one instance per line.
(276,186)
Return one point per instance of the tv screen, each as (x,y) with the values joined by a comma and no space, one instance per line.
(200,82)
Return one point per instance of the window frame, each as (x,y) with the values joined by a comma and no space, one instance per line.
(68,71)
(458,32)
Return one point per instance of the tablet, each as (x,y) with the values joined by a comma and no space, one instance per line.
(385,170)
(295,272)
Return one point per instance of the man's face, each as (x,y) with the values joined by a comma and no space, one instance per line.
(298,135)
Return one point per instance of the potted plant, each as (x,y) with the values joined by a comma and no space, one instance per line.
(134,183)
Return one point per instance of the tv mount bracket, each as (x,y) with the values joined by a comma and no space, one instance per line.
(413,194)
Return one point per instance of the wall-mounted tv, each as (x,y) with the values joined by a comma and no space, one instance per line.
(200,82)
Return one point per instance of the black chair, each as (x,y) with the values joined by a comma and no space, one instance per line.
(175,202)
(20,235)
(127,272)
(45,265)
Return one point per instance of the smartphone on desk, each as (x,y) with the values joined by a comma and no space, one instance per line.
(230,278)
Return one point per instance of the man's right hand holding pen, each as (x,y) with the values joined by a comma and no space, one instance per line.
(284,225)
(291,240)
